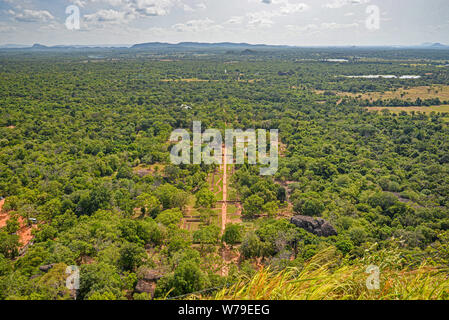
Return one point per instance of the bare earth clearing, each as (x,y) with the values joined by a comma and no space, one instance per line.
(412,93)
(24,233)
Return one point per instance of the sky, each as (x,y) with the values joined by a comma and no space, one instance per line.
(281,22)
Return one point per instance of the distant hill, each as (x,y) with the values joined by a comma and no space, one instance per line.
(243,46)
(228,47)
(38,46)
(434,45)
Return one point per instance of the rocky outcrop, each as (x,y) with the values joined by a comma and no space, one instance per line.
(46,268)
(145,287)
(147,282)
(317,226)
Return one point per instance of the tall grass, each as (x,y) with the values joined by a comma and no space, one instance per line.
(326,277)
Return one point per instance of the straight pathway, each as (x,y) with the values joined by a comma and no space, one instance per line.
(224,206)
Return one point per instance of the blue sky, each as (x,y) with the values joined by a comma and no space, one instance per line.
(291,22)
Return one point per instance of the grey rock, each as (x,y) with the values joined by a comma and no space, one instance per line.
(148,281)
(150,275)
(145,287)
(46,268)
(317,226)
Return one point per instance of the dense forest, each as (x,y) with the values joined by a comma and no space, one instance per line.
(86,177)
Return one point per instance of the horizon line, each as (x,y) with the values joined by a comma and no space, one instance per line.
(425,45)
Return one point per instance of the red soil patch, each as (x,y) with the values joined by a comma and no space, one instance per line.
(3,216)
(24,232)
(3,219)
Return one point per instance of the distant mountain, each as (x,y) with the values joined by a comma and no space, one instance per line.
(38,46)
(158,45)
(434,45)
(229,47)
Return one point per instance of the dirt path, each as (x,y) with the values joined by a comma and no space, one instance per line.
(224,206)
(3,216)
(218,185)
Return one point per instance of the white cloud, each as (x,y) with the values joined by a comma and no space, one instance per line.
(325,26)
(337,26)
(52,26)
(79,3)
(197,26)
(142,7)
(109,16)
(151,7)
(125,11)
(290,8)
(7,28)
(235,20)
(261,18)
(193,8)
(188,8)
(201,6)
(335,4)
(28,15)
(264,18)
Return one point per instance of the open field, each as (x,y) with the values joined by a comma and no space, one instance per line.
(187,80)
(144,170)
(441,109)
(423,92)
(206,80)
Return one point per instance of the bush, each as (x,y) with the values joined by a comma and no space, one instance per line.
(169,217)
(345,246)
(232,234)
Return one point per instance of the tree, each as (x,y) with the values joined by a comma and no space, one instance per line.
(384,200)
(124,172)
(149,204)
(187,278)
(232,234)
(345,246)
(168,217)
(207,235)
(171,197)
(206,216)
(131,256)
(251,246)
(177,240)
(205,198)
(308,204)
(100,279)
(358,235)
(281,194)
(12,225)
(9,245)
(252,206)
(47,232)
(52,285)
(5,266)
(270,208)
